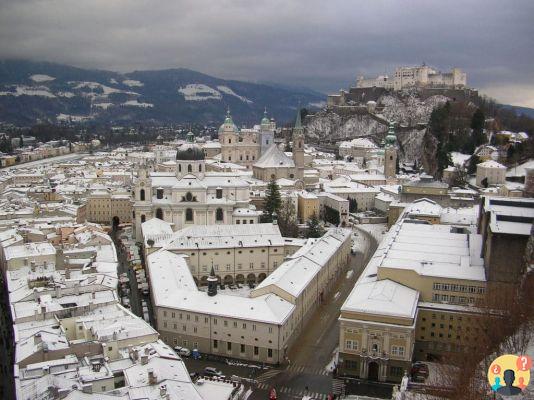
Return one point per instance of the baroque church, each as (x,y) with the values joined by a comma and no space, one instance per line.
(190,195)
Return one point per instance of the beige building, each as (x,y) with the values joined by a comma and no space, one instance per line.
(107,208)
(259,325)
(245,146)
(490,173)
(308,206)
(416,299)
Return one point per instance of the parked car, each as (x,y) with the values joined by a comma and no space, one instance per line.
(210,371)
(182,351)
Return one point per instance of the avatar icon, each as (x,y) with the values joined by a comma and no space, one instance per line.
(509,389)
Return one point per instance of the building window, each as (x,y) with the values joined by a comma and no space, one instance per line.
(270,353)
(189,215)
(159,213)
(188,196)
(215,343)
(219,214)
(159,193)
(142,194)
(256,350)
(351,344)
(143,218)
(199,167)
(242,348)
(229,346)
(218,193)
(350,364)
(396,371)
(189,168)
(179,167)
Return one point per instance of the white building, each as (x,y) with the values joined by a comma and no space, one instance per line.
(190,195)
(490,173)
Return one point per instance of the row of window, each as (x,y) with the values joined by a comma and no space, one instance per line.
(187,317)
(242,348)
(453,299)
(446,287)
(395,350)
(239,252)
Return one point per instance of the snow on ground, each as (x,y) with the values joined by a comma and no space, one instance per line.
(199,92)
(72,118)
(104,106)
(318,104)
(65,94)
(113,81)
(23,90)
(132,83)
(519,170)
(334,361)
(227,90)
(459,158)
(135,103)
(243,291)
(375,230)
(106,90)
(41,78)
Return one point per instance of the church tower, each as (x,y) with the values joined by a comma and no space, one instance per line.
(390,153)
(298,147)
(266,134)
(190,159)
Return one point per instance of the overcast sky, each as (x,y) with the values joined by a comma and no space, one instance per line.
(323,45)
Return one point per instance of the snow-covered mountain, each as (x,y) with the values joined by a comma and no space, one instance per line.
(37,91)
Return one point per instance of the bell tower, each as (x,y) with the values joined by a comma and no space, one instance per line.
(298,146)
(390,153)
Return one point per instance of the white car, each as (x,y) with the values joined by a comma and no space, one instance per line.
(182,351)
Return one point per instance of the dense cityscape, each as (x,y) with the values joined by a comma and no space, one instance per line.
(169,234)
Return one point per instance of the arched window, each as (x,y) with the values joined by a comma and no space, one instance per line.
(159,213)
(133,215)
(189,215)
(219,215)
(188,196)
(179,167)
(189,168)
(218,193)
(199,167)
(143,218)
(159,193)
(142,194)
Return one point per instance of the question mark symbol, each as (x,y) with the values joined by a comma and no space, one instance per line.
(523,363)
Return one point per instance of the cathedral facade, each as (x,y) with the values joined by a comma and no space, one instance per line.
(190,195)
(245,146)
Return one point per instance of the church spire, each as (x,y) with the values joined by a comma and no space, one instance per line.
(212,282)
(298,122)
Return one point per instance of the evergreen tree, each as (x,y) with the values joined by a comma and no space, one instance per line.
(472,166)
(439,128)
(314,228)
(477,125)
(21,141)
(287,219)
(353,205)
(273,201)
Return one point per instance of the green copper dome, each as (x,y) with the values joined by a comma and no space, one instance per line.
(265,120)
(391,139)
(228,122)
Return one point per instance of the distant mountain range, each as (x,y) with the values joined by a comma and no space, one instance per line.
(529,112)
(33,92)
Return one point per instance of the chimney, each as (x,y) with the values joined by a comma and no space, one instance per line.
(163,391)
(87,388)
(135,354)
(37,338)
(147,351)
(144,359)
(152,379)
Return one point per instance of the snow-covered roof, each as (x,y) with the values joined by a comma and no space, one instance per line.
(384,297)
(491,164)
(174,288)
(274,158)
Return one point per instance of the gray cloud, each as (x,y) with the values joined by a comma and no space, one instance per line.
(322,45)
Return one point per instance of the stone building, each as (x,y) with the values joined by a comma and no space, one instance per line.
(190,195)
(245,146)
(275,164)
(109,208)
(490,173)
(390,153)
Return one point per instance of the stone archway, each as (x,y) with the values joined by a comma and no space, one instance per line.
(251,278)
(373,369)
(261,277)
(240,278)
(228,280)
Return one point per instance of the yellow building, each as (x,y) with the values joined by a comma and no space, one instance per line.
(308,206)
(416,300)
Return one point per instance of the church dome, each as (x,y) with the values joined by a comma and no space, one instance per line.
(190,151)
(228,124)
(265,120)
